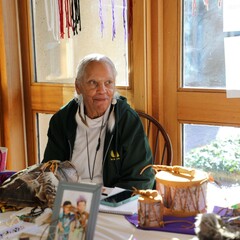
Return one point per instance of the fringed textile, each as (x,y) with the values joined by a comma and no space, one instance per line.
(101,16)
(60,6)
(124,20)
(113,21)
(76,16)
(62,14)
(68,17)
(52,17)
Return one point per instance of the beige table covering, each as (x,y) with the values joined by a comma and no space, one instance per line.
(109,226)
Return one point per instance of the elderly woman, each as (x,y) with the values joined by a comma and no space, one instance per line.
(99,132)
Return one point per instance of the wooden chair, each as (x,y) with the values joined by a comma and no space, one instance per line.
(158,138)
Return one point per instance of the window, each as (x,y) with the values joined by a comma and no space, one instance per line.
(103,29)
(214,149)
(203,45)
(42,120)
(208,143)
(210,43)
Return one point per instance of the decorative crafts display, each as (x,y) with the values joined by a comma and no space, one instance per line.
(35,186)
(184,191)
(150,208)
(218,226)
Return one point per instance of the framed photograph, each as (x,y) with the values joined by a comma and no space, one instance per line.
(75,211)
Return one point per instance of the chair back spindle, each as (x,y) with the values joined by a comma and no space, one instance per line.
(158,138)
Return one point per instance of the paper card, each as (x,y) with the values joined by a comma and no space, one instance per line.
(232,69)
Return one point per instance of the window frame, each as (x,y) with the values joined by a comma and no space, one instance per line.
(188,105)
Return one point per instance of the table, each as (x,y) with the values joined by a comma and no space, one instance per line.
(113,226)
(109,226)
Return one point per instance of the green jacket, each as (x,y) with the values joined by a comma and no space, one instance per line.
(126,148)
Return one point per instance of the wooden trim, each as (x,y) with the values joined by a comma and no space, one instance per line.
(202,107)
(11,88)
(28,77)
(1,88)
(148,59)
(170,75)
(157,94)
(139,51)
(50,97)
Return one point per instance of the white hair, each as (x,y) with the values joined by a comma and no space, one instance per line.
(80,71)
(95,57)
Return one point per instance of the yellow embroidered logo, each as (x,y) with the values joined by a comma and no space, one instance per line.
(114,156)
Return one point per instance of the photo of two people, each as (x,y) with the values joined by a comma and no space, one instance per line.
(73,217)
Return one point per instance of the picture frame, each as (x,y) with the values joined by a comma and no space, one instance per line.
(75,211)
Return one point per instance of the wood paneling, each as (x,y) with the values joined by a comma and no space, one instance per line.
(50,97)
(11,87)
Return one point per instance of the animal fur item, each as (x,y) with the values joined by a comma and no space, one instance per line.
(210,226)
(36,186)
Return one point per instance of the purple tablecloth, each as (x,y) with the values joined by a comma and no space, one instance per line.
(184,225)
(5,175)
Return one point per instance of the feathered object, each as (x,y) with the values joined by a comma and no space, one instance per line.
(210,226)
(35,186)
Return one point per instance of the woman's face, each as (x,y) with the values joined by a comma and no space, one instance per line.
(97,88)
